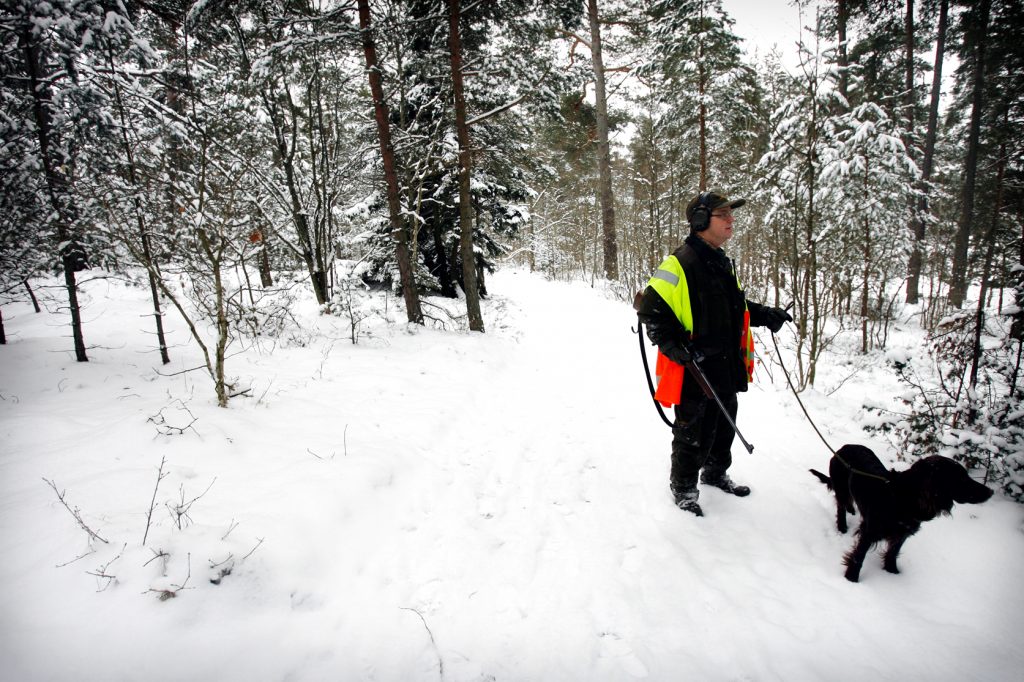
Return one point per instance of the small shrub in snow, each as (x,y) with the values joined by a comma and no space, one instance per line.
(979,423)
(136,563)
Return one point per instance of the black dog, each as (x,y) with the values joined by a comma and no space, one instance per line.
(893,504)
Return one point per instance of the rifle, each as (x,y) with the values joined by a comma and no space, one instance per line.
(705,386)
(702,381)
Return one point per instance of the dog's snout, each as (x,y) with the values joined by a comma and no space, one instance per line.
(975,494)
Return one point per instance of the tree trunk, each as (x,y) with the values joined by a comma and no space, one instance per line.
(266,277)
(604,162)
(812,307)
(842,17)
(147,252)
(1017,326)
(910,104)
(399,231)
(158,314)
(702,110)
(916,254)
(72,254)
(35,301)
(285,125)
(990,242)
(286,151)
(223,330)
(959,279)
(864,309)
(476,320)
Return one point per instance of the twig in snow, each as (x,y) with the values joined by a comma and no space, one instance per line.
(164,595)
(318,456)
(93,535)
(843,381)
(77,558)
(158,554)
(160,475)
(323,358)
(231,527)
(440,661)
(179,512)
(101,572)
(166,429)
(253,549)
(184,371)
(264,395)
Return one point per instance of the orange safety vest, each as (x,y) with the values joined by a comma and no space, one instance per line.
(747,346)
(670,381)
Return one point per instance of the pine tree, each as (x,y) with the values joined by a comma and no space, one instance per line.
(799,203)
(977,28)
(697,55)
(869,172)
(399,222)
(928,160)
(505,76)
(56,130)
(605,192)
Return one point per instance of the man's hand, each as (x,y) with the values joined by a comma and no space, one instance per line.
(682,353)
(774,318)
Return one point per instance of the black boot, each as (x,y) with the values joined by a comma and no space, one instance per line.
(724,483)
(686,499)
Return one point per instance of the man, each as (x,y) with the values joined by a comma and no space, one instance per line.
(695,310)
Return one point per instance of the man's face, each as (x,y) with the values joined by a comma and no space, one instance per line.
(720,229)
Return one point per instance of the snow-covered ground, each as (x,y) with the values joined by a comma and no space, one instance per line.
(444,505)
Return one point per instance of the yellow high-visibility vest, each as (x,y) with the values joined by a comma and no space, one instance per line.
(670,283)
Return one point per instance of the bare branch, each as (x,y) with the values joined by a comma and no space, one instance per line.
(440,661)
(164,595)
(160,475)
(102,573)
(179,512)
(93,535)
(253,549)
(167,429)
(233,525)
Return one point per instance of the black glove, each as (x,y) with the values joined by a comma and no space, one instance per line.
(774,318)
(681,353)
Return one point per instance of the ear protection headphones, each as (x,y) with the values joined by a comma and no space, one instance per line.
(700,219)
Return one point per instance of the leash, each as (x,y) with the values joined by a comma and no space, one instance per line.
(639,331)
(778,354)
(854,470)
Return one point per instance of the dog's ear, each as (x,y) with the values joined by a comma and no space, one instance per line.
(925,491)
(932,502)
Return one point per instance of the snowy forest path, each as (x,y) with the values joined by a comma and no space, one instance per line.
(547,480)
(494,504)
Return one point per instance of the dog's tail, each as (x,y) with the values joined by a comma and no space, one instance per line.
(822,477)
